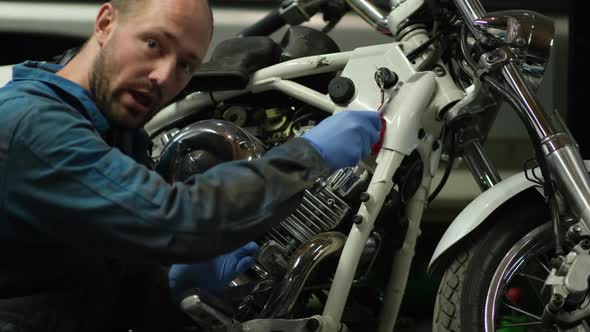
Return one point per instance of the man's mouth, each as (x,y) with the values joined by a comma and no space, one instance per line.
(146,100)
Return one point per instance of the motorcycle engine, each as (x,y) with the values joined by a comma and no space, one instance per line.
(321,210)
(204,144)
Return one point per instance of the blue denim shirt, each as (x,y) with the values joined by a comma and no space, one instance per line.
(62,185)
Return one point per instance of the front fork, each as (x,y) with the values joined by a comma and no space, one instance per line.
(555,145)
(559,149)
(484,172)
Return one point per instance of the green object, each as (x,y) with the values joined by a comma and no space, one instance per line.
(508,320)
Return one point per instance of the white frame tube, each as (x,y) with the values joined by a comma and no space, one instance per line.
(402,260)
(381,184)
(270,78)
(420,90)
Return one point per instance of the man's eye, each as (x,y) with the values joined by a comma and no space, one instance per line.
(152,44)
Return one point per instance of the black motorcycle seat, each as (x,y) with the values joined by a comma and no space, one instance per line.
(233,61)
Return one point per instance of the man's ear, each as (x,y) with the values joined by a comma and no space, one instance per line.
(105,23)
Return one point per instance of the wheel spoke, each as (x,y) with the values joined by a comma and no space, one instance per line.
(530,277)
(535,289)
(508,299)
(520,324)
(524,312)
(542,265)
(514,306)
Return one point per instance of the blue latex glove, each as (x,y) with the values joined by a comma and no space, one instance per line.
(211,275)
(345,138)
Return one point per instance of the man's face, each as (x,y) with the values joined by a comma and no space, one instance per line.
(147,58)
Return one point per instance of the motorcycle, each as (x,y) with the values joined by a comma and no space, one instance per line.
(517,257)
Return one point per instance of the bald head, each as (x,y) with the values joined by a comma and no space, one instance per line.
(128,8)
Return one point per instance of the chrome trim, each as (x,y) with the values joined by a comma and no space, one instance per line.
(471,10)
(525,36)
(500,28)
(563,158)
(555,142)
(524,29)
(484,172)
(370,14)
(196,308)
(568,171)
(534,111)
(302,263)
(194,148)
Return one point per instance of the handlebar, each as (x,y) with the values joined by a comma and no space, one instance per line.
(370,14)
(280,17)
(290,12)
(267,25)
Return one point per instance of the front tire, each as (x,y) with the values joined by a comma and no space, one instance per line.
(474,272)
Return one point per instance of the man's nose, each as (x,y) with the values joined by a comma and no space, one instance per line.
(163,72)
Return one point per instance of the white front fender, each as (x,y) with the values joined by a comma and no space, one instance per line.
(479,209)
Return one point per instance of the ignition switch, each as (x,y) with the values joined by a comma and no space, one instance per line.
(385,78)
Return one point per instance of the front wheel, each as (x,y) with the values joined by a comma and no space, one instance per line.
(495,281)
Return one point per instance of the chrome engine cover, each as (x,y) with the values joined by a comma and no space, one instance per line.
(204,144)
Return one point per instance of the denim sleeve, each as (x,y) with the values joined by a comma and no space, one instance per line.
(67,183)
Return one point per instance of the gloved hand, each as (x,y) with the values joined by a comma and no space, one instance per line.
(212,275)
(345,138)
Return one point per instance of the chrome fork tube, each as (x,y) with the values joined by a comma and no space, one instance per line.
(371,14)
(558,147)
(480,165)
(547,131)
(570,175)
(470,10)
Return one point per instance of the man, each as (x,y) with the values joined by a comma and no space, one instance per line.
(82,224)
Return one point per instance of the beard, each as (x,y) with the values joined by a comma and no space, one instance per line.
(104,95)
(100,86)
